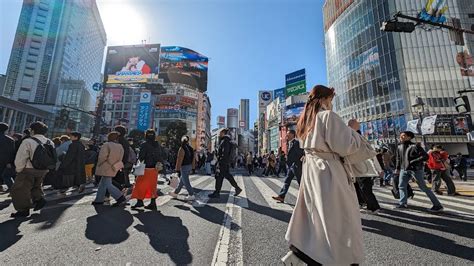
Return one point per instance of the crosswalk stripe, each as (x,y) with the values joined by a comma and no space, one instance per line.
(202,197)
(83,200)
(422,196)
(196,182)
(267,194)
(419,203)
(292,191)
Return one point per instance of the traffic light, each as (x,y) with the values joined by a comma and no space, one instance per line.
(462,104)
(396,26)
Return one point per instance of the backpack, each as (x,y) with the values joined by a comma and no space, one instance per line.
(44,156)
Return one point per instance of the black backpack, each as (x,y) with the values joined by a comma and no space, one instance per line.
(44,157)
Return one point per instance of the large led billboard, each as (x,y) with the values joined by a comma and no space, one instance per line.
(184,66)
(132,63)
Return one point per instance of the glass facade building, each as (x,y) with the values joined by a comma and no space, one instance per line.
(378,75)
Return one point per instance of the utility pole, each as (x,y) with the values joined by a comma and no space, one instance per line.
(100,106)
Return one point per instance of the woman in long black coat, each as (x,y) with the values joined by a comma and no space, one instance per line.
(73,165)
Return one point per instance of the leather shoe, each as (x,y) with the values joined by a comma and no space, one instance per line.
(237,192)
(278,198)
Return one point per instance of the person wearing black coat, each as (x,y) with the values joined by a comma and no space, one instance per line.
(7,156)
(223,168)
(72,167)
(122,176)
(294,162)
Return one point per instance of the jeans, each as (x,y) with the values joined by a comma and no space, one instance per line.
(418,175)
(292,172)
(105,185)
(442,174)
(184,180)
(208,168)
(388,174)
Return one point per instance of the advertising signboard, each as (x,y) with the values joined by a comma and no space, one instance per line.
(132,63)
(293,112)
(280,94)
(466,63)
(184,66)
(428,125)
(232,118)
(264,98)
(144,110)
(115,94)
(461,126)
(296,83)
(412,126)
(221,120)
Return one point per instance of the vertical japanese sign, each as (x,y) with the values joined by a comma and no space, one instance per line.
(144,111)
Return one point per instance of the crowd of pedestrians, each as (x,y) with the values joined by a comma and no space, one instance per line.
(334,166)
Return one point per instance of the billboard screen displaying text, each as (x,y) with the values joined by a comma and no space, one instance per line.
(132,63)
(296,83)
(184,66)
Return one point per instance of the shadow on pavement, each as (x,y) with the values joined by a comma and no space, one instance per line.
(109,225)
(437,223)
(10,232)
(418,238)
(167,235)
(273,213)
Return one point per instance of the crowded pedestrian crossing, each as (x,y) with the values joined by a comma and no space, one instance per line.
(269,186)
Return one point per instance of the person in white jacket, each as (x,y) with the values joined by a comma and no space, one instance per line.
(365,172)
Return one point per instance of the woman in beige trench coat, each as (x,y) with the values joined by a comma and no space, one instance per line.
(325,227)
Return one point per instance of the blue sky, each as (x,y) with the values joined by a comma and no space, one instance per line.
(251,44)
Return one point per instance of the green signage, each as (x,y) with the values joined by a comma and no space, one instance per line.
(296,88)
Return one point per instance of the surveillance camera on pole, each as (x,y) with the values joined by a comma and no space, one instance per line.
(396,26)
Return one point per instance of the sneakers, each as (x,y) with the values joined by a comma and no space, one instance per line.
(439,192)
(279,198)
(401,207)
(436,209)
(107,199)
(237,192)
(291,259)
(81,189)
(190,198)
(173,195)
(373,212)
(139,204)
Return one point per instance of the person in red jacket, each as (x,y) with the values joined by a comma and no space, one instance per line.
(438,163)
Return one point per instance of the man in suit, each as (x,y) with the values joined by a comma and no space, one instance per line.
(294,162)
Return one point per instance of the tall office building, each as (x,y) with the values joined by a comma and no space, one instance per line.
(244,114)
(56,41)
(378,75)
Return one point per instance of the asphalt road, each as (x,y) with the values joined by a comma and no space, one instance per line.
(248,229)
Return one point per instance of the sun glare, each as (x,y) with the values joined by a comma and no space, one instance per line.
(123,24)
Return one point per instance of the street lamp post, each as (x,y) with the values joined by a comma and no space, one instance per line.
(420,106)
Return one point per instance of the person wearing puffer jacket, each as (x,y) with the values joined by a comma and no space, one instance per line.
(365,172)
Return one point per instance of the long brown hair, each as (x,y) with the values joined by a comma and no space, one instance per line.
(311,109)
